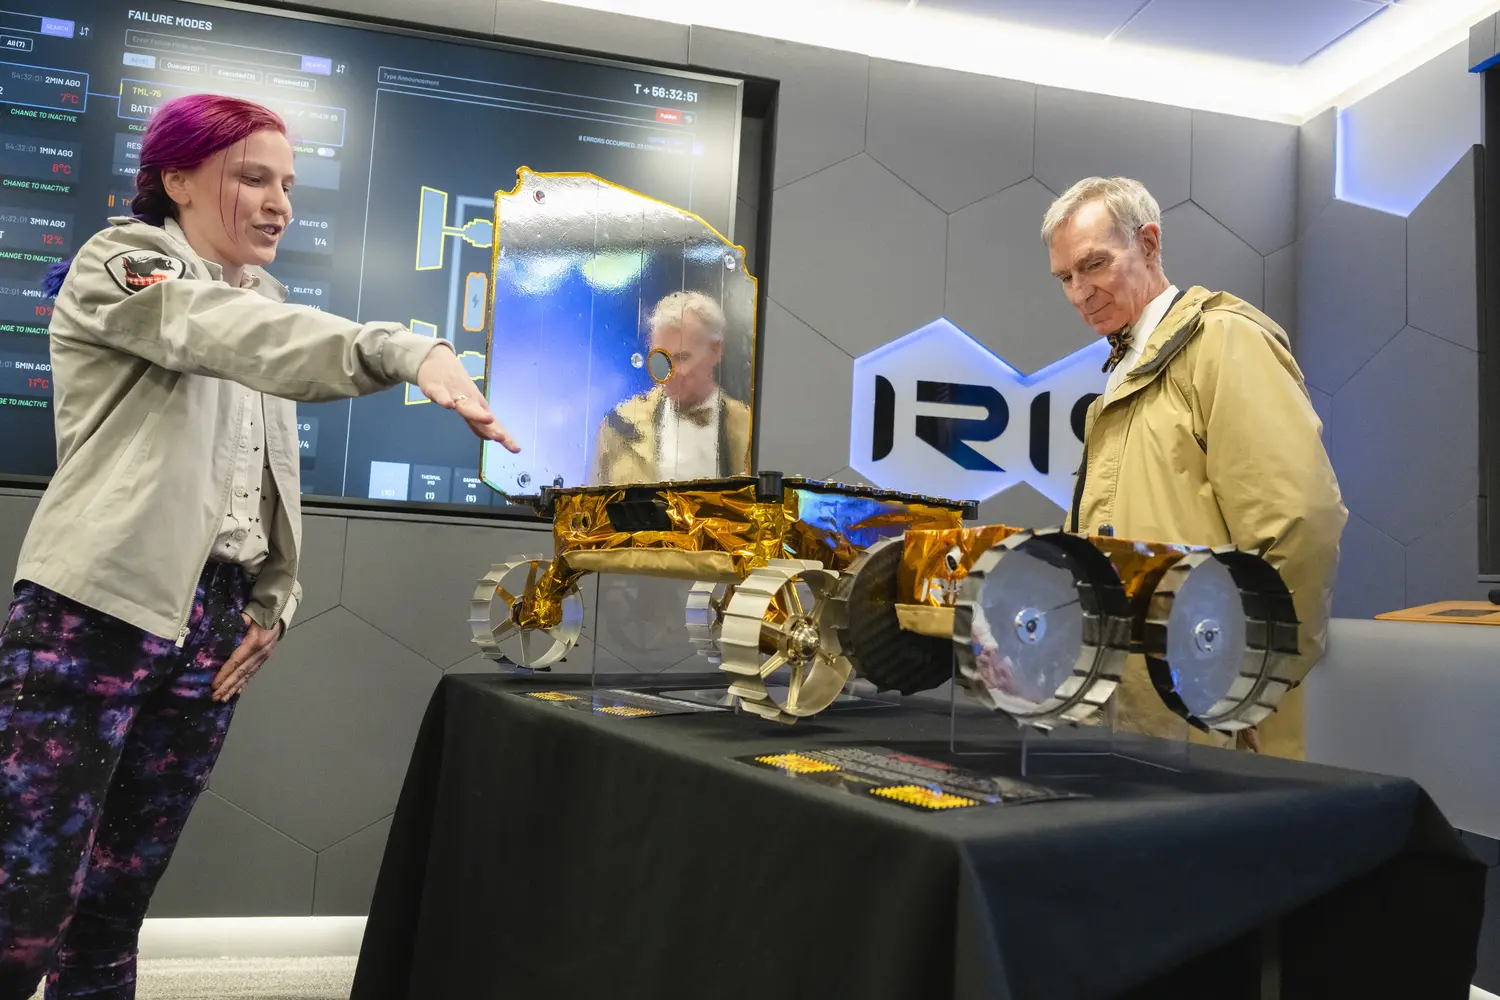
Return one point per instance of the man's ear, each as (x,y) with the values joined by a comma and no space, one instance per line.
(1150,237)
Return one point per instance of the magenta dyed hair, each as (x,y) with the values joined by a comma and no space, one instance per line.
(183,133)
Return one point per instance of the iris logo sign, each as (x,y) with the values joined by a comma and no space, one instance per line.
(936,412)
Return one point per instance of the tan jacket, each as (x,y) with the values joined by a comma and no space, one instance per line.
(1212,439)
(625,449)
(144,335)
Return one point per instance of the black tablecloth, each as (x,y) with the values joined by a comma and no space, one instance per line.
(541,853)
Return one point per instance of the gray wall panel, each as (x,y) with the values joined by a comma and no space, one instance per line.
(15,518)
(1196,250)
(1351,290)
(345,879)
(1080,135)
(858,255)
(993,153)
(322,565)
(1372,572)
(1315,162)
(1242,170)
(803,373)
(1000,287)
(1281,290)
(1443,296)
(1405,441)
(413,580)
(1443,565)
(322,736)
(821,113)
(476,16)
(601,31)
(230,864)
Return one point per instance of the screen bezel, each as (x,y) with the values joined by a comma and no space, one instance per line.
(319,501)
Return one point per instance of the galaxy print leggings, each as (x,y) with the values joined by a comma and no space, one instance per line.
(107,737)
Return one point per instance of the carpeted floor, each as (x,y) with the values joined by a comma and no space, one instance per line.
(244,979)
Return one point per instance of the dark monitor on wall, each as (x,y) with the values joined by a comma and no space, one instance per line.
(403,139)
(1487,259)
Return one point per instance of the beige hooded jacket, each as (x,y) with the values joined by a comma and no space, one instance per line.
(1210,440)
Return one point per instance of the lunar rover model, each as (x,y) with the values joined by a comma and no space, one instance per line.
(800,585)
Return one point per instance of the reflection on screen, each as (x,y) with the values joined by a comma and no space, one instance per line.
(623,343)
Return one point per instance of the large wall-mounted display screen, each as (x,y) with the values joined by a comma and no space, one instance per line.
(402,141)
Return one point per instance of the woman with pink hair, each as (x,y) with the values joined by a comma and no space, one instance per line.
(160,568)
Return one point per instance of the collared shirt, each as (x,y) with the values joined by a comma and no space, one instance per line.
(1140,332)
(688,448)
(245,531)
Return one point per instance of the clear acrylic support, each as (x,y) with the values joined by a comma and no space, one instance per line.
(1095,748)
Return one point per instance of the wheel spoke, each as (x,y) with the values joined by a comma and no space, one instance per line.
(773,663)
(526,657)
(794,685)
(791,599)
(531,578)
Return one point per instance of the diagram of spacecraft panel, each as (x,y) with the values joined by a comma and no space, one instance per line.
(621,337)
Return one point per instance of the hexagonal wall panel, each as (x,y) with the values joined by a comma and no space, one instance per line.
(1405,435)
(992,152)
(322,737)
(347,870)
(1021,506)
(821,112)
(1315,162)
(803,399)
(321,565)
(1372,572)
(1281,290)
(1000,286)
(858,255)
(413,581)
(1443,565)
(1322,404)
(1351,290)
(1198,251)
(1082,135)
(1442,297)
(230,864)
(15,518)
(1244,172)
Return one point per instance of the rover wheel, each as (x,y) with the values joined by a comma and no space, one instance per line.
(870,634)
(705,617)
(1221,639)
(492,616)
(1042,628)
(779,640)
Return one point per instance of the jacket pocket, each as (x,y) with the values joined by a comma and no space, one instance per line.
(127,465)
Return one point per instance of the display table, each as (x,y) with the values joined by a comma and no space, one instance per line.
(543,853)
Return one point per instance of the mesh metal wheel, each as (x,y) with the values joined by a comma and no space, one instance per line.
(1221,639)
(779,640)
(1042,628)
(506,642)
(870,634)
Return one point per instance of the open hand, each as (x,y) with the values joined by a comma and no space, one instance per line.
(443,380)
(246,661)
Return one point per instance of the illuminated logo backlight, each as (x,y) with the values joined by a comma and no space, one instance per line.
(937,412)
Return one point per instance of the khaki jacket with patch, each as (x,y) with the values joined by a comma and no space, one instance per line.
(625,449)
(1212,439)
(145,340)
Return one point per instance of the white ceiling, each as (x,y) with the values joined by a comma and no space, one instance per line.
(1283,60)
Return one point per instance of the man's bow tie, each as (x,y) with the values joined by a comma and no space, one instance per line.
(700,416)
(1119,346)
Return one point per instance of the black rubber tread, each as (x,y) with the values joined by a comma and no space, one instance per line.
(880,650)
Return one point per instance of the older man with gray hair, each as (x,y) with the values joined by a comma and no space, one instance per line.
(685,426)
(1204,435)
